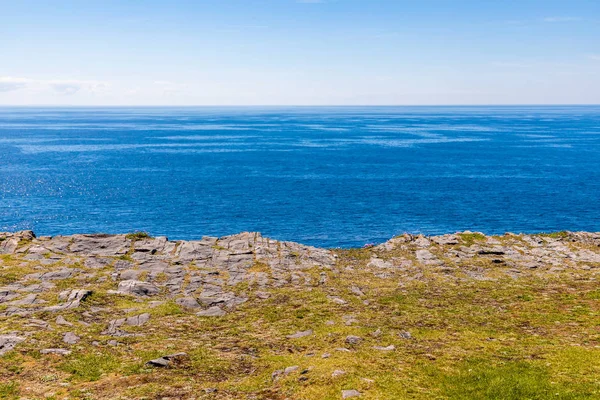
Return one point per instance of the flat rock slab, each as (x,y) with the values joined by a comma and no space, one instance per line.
(138,288)
(212,312)
(166,361)
(8,342)
(348,394)
(60,352)
(300,334)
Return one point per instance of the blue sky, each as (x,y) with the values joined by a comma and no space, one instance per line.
(294,52)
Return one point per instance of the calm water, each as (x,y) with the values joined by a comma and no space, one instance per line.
(321,176)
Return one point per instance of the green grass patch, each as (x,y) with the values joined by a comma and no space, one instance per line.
(9,390)
(90,367)
(138,236)
(471,238)
(512,380)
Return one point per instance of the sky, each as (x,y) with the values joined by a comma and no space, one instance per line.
(299,52)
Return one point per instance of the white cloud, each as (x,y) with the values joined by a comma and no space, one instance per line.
(562,19)
(595,57)
(65,87)
(8,83)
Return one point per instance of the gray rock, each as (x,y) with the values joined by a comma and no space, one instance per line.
(136,320)
(291,369)
(60,352)
(187,302)
(138,288)
(166,361)
(347,394)
(38,323)
(100,245)
(71,338)
(8,342)
(338,372)
(391,347)
(212,312)
(353,340)
(405,335)
(60,320)
(300,334)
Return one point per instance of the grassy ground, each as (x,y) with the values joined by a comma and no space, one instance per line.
(455,337)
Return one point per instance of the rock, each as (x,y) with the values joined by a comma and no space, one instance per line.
(138,288)
(60,320)
(212,312)
(353,340)
(347,394)
(391,347)
(60,352)
(136,320)
(291,369)
(357,291)
(8,342)
(100,245)
(377,333)
(276,374)
(263,295)
(326,355)
(71,338)
(300,334)
(405,335)
(343,350)
(187,302)
(337,300)
(338,372)
(166,361)
(38,323)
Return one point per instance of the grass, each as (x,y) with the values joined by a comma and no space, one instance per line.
(138,236)
(471,238)
(90,367)
(556,235)
(9,390)
(535,337)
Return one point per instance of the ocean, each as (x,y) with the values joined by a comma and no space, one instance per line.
(324,176)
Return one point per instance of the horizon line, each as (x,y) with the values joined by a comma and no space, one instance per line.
(304,105)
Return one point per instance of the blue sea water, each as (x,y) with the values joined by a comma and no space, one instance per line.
(330,176)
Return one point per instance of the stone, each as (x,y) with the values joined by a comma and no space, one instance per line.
(8,342)
(187,302)
(136,320)
(71,338)
(100,245)
(391,347)
(347,394)
(214,311)
(353,340)
(338,372)
(357,291)
(138,288)
(405,335)
(38,323)
(166,361)
(338,300)
(60,352)
(300,334)
(60,320)
(291,369)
